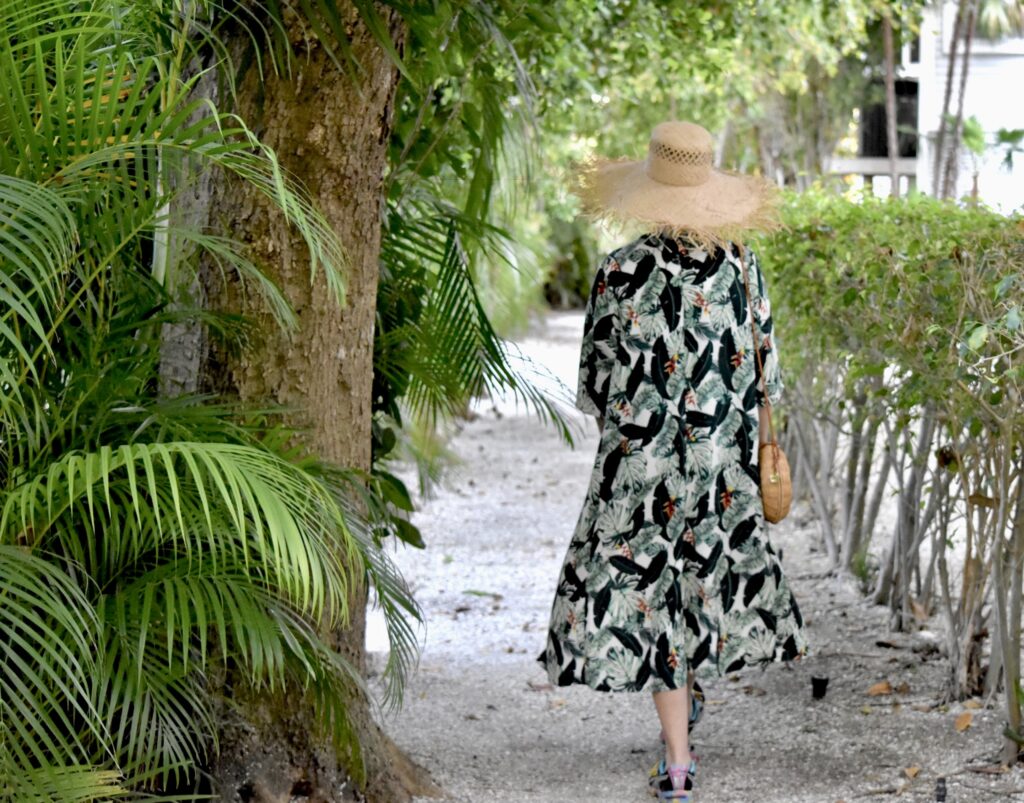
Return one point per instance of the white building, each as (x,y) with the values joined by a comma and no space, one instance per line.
(994,95)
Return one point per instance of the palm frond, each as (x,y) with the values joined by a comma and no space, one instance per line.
(48,635)
(155,696)
(91,126)
(227,255)
(72,784)
(37,241)
(226,501)
(142,540)
(370,519)
(445,352)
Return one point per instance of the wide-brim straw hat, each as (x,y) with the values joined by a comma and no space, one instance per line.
(678,191)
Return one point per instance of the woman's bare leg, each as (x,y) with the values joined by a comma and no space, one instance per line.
(690,678)
(674,712)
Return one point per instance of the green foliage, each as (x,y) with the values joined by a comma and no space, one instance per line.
(903,317)
(906,288)
(1010,140)
(457,157)
(973,136)
(145,542)
(776,83)
(863,568)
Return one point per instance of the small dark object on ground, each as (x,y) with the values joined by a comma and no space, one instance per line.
(940,789)
(818,686)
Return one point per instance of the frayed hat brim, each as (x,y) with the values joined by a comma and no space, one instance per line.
(725,207)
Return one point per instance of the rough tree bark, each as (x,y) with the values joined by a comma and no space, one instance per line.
(330,130)
(953,159)
(891,138)
(938,162)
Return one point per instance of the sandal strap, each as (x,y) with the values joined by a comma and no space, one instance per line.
(660,779)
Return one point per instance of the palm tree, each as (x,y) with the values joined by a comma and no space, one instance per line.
(332,83)
(146,543)
(993,19)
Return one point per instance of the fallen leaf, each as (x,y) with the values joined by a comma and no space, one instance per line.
(903,688)
(924,708)
(865,709)
(755,691)
(981,500)
(478,593)
(911,772)
(963,722)
(882,687)
(972,704)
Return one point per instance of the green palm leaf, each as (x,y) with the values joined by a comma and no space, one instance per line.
(226,501)
(48,633)
(37,240)
(144,542)
(446,352)
(61,784)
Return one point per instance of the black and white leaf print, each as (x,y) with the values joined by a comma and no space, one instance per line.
(703,365)
(653,572)
(754,584)
(671,305)
(629,641)
(626,565)
(741,532)
(669,559)
(726,355)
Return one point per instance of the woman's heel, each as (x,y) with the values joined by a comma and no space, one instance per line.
(673,781)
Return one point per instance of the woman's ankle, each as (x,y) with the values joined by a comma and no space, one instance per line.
(683,760)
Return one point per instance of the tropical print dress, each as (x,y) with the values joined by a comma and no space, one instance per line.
(670,567)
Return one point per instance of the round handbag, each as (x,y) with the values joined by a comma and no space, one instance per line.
(776,486)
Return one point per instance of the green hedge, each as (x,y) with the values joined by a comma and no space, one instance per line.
(930,290)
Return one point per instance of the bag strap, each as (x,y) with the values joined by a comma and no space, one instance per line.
(757,345)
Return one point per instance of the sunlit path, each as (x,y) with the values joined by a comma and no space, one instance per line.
(481,717)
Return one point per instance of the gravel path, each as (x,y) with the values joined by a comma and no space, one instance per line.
(481,717)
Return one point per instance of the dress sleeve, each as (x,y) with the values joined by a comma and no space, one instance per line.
(766,335)
(600,343)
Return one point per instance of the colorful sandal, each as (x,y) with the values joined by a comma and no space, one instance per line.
(672,781)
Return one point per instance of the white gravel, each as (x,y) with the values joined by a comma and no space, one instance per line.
(482,719)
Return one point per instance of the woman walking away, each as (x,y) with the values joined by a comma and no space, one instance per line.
(670,574)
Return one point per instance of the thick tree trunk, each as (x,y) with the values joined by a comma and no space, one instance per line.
(330,129)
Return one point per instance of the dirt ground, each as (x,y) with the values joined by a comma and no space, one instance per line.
(482,718)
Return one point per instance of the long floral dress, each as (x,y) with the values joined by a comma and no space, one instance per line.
(670,567)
